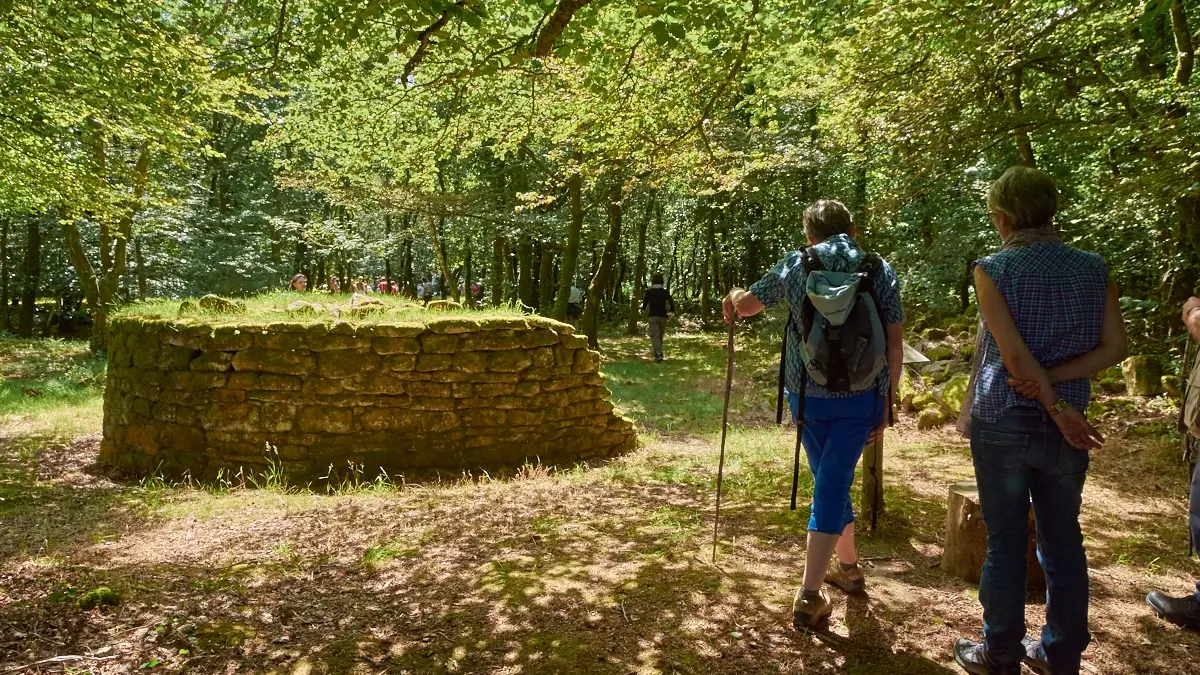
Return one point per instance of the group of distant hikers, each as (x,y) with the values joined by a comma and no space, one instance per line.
(424,291)
(1051,319)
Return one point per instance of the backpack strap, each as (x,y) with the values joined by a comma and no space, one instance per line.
(812,262)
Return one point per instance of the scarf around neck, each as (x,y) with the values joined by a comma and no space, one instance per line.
(1029,237)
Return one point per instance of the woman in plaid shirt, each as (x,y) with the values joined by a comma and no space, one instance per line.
(1052,320)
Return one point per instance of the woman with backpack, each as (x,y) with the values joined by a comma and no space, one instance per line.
(1052,319)
(843,355)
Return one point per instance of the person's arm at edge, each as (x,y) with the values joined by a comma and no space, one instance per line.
(743,302)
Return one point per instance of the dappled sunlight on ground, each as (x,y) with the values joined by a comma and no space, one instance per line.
(601,568)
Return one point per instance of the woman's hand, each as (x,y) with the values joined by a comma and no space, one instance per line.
(1030,389)
(1077,430)
(727,307)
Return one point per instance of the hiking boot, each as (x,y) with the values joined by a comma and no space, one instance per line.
(973,657)
(807,613)
(1034,657)
(1183,611)
(850,581)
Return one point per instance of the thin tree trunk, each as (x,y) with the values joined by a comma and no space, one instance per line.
(497,271)
(591,314)
(525,270)
(566,273)
(639,270)
(33,272)
(5,323)
(447,278)
(387,256)
(545,299)
(703,268)
(141,267)
(468,278)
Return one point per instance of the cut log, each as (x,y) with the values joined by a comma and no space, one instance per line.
(966,539)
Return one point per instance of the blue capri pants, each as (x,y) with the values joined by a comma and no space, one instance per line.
(835,431)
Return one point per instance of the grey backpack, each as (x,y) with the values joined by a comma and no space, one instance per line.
(842,337)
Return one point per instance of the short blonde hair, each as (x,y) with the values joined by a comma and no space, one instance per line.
(1026,195)
(827,218)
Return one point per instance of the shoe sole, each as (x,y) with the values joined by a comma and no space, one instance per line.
(1182,623)
(859,588)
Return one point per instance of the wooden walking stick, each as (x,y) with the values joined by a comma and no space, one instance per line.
(724,428)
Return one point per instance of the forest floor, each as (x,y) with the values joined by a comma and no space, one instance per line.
(600,568)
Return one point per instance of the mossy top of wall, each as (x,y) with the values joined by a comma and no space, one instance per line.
(299,311)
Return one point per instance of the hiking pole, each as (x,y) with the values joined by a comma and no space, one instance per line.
(724,428)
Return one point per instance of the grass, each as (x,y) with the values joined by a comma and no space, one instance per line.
(272,307)
(50,387)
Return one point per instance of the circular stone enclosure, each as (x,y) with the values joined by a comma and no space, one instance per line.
(186,397)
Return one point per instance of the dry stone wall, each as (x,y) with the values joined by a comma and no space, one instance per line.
(455,393)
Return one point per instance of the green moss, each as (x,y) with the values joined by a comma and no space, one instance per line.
(101,596)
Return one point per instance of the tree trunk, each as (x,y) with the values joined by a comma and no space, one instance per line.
(566,273)
(639,270)
(1183,44)
(545,299)
(468,278)
(497,271)
(407,268)
(447,278)
(1020,133)
(525,270)
(966,539)
(591,314)
(141,267)
(702,268)
(387,256)
(512,286)
(33,273)
(5,323)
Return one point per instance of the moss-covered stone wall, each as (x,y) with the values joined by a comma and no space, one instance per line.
(186,397)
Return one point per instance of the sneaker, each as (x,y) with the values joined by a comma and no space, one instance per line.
(808,613)
(850,581)
(973,658)
(1034,658)
(1183,611)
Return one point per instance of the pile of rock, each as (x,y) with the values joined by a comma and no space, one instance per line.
(934,391)
(187,396)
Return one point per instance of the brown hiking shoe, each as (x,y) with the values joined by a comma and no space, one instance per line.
(807,613)
(851,581)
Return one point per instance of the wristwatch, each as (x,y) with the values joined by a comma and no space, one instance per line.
(1059,406)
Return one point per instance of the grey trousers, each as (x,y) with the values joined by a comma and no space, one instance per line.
(658,326)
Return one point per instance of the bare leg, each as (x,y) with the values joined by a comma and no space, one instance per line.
(845,546)
(816,560)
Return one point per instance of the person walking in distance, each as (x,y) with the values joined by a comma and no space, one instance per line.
(1052,319)
(657,299)
(574,305)
(839,380)
(1185,610)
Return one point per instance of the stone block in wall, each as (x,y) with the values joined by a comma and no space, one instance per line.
(491,340)
(586,361)
(528,389)
(226,395)
(182,438)
(470,362)
(229,339)
(325,420)
(218,362)
(434,343)
(262,360)
(509,361)
(398,330)
(563,356)
(195,381)
(171,357)
(543,357)
(396,345)
(484,417)
(402,419)
(342,363)
(270,395)
(401,362)
(419,404)
(578,394)
(539,338)
(320,386)
(526,417)
(231,417)
(462,389)
(285,341)
(278,416)
(374,384)
(145,356)
(243,381)
(429,389)
(339,342)
(490,390)
(447,376)
(573,341)
(437,361)
(275,382)
(453,325)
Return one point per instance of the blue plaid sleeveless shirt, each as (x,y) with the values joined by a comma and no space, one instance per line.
(1056,296)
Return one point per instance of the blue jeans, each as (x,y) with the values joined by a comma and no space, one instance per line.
(835,431)
(1023,457)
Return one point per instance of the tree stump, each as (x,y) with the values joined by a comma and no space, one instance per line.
(965,547)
